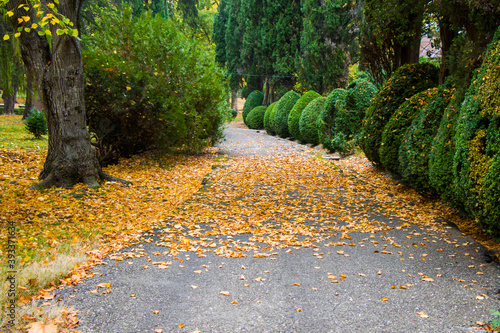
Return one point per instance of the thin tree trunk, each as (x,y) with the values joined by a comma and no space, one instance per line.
(30,94)
(9,101)
(266,92)
(58,75)
(234,100)
(447,35)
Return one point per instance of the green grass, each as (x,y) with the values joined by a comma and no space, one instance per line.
(13,135)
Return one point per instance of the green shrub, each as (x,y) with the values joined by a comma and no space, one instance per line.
(308,120)
(255,119)
(150,85)
(397,125)
(476,165)
(283,108)
(443,150)
(296,112)
(326,121)
(417,140)
(36,124)
(268,126)
(404,83)
(253,100)
(233,113)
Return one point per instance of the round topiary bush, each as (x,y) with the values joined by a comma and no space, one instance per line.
(326,121)
(270,119)
(296,112)
(253,100)
(308,119)
(443,150)
(255,119)
(233,113)
(283,108)
(397,125)
(476,165)
(417,140)
(404,83)
(36,124)
(359,98)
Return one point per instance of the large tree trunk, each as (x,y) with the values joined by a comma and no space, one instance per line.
(30,95)
(58,77)
(9,101)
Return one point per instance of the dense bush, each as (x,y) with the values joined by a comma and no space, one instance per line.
(233,113)
(36,124)
(253,100)
(397,125)
(282,109)
(308,119)
(404,83)
(417,140)
(255,119)
(443,150)
(359,98)
(270,119)
(296,112)
(476,164)
(326,121)
(148,85)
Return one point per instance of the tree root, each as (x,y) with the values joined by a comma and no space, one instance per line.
(90,181)
(109,178)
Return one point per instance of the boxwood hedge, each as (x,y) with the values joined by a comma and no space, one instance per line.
(417,140)
(253,100)
(307,121)
(476,164)
(255,119)
(397,125)
(270,119)
(327,121)
(283,108)
(296,112)
(404,83)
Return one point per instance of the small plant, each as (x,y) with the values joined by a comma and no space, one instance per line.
(36,124)
(496,322)
(233,113)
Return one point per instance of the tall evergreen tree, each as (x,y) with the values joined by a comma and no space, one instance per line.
(233,39)
(324,45)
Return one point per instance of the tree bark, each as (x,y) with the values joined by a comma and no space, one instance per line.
(30,94)
(447,34)
(266,91)
(58,76)
(234,100)
(9,101)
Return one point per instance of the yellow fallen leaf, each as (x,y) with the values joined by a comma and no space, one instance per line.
(40,327)
(258,279)
(298,310)
(422,314)
(181,325)
(296,284)
(225,293)
(156,311)
(385,299)
(234,302)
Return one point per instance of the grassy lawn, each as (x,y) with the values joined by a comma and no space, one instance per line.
(61,232)
(13,135)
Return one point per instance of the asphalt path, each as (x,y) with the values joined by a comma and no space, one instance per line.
(445,284)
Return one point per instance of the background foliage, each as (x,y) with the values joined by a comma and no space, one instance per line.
(148,85)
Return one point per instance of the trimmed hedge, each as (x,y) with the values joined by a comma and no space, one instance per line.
(253,100)
(296,112)
(359,98)
(270,119)
(404,83)
(398,124)
(476,165)
(255,119)
(307,121)
(283,108)
(417,140)
(443,150)
(327,119)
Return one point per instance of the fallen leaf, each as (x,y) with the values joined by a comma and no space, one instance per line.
(40,327)
(258,279)
(181,325)
(298,310)
(156,311)
(225,293)
(422,314)
(385,299)
(234,302)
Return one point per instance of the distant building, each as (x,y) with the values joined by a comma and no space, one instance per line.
(426,48)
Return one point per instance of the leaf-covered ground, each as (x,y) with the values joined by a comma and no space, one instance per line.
(283,234)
